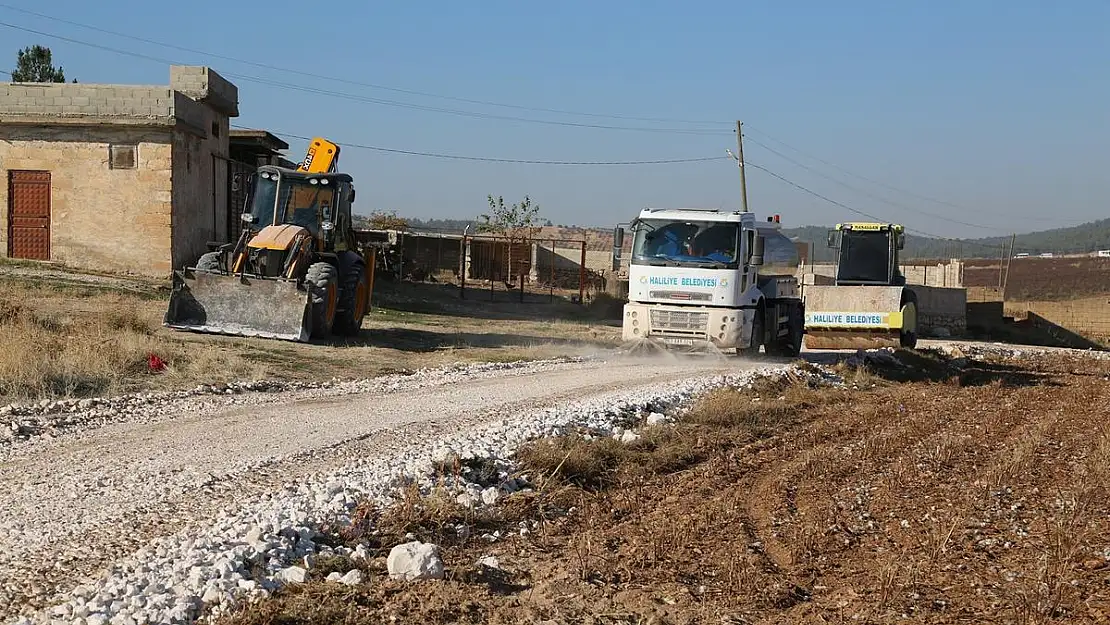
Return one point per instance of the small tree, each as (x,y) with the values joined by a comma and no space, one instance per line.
(35,64)
(381,220)
(517,221)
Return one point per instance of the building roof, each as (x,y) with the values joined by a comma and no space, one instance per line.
(261,139)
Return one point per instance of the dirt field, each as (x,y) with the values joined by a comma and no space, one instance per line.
(65,334)
(1043,279)
(947,491)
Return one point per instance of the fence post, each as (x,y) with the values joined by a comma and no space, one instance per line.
(464,247)
(582,276)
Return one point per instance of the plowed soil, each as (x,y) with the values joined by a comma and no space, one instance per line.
(944,492)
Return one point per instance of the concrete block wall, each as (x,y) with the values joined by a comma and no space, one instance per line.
(940,307)
(101,218)
(1088,316)
(199,184)
(205,85)
(33,100)
(943,275)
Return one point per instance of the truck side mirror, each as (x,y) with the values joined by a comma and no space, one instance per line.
(757,251)
(834,238)
(901,241)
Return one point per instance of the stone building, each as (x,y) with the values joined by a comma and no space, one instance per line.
(116,177)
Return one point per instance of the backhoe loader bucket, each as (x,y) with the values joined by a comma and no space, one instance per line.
(218,303)
(857,317)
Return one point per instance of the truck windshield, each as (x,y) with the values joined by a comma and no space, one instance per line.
(864,257)
(686,243)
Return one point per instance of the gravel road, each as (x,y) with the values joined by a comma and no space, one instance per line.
(72,503)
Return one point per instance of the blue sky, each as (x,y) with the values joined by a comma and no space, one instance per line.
(1001,110)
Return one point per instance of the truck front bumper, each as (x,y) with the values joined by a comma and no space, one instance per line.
(681,326)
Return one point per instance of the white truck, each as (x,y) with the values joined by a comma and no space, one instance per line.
(700,278)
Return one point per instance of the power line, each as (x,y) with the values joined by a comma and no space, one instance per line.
(375,86)
(856,210)
(913,194)
(486,159)
(868,193)
(810,191)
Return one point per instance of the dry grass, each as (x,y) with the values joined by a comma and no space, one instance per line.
(104,350)
(83,338)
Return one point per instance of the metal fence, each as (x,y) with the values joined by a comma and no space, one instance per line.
(514,268)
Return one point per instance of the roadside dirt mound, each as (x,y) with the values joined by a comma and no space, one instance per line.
(971,492)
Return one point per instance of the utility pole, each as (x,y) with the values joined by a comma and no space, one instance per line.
(1009,259)
(740,162)
(1001,265)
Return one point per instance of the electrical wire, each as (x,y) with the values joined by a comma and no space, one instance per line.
(361,83)
(889,187)
(486,159)
(371,100)
(867,193)
(858,211)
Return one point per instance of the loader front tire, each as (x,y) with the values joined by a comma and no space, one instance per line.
(353,295)
(322,280)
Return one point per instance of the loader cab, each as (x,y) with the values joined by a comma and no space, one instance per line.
(318,202)
(867,253)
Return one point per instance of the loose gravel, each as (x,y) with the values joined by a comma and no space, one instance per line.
(51,418)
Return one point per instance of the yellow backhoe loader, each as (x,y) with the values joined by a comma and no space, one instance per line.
(295,273)
(868,305)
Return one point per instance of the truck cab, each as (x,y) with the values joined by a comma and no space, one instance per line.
(696,278)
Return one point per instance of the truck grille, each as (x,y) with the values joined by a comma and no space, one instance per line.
(683,295)
(679,320)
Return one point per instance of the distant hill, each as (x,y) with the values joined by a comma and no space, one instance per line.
(1079,239)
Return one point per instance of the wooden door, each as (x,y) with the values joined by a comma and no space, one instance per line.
(29,215)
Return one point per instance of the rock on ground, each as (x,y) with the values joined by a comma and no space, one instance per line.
(415,560)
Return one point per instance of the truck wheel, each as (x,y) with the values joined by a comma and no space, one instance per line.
(353,295)
(322,280)
(209,261)
(789,346)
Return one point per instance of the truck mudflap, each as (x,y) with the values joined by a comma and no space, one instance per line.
(857,317)
(217,303)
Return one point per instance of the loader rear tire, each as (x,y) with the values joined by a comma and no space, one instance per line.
(209,261)
(322,280)
(353,295)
